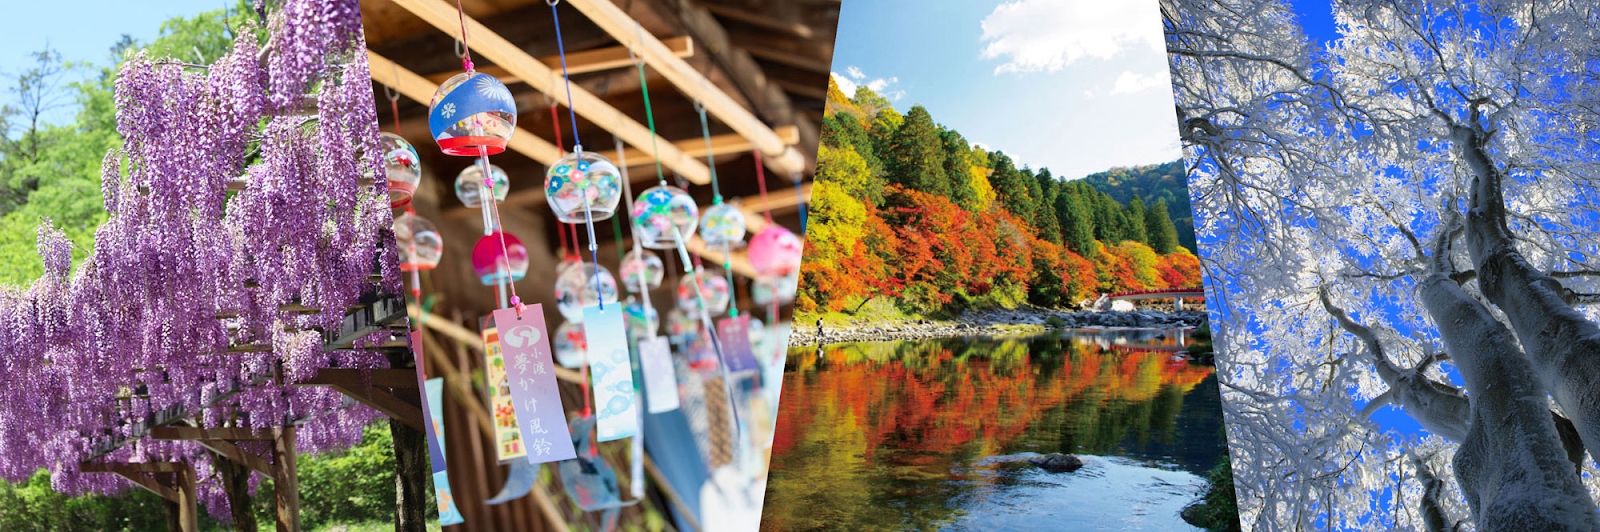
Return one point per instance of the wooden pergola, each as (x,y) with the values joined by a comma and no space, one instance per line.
(759,69)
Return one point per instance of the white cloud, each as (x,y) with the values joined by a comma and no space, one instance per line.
(854,77)
(1048,35)
(845,85)
(1130,82)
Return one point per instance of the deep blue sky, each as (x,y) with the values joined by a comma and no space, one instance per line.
(1057,105)
(83,31)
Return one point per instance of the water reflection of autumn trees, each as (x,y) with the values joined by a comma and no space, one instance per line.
(895,424)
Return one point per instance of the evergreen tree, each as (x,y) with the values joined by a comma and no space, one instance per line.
(1158,223)
(1044,207)
(1076,219)
(1136,226)
(916,155)
(1109,221)
(958,169)
(1010,187)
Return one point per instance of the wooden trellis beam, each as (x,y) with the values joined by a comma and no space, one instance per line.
(381,389)
(490,45)
(173,481)
(779,156)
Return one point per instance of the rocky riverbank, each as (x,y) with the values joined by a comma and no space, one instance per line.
(990,322)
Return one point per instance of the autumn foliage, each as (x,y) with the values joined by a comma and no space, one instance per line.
(971,231)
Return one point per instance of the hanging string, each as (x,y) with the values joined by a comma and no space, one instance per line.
(761,181)
(627,194)
(802,202)
(649,116)
(574,229)
(561,230)
(555,121)
(577,148)
(466,50)
(490,205)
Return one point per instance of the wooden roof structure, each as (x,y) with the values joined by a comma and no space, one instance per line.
(758,67)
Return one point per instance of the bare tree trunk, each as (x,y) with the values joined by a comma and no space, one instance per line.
(1512,467)
(411,477)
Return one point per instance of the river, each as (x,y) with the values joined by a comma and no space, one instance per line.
(929,435)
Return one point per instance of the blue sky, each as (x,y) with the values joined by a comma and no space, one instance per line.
(85,30)
(1077,86)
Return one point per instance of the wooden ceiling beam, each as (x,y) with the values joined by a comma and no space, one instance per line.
(490,45)
(778,155)
(728,144)
(787,27)
(584,62)
(421,90)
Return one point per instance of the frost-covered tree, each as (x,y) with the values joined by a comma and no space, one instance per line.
(1402,216)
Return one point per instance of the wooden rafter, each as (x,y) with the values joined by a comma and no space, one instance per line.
(720,145)
(584,62)
(490,45)
(787,27)
(779,156)
(421,90)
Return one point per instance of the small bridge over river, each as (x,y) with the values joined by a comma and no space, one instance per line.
(1175,294)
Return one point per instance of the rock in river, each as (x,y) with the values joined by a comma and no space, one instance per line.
(1056,462)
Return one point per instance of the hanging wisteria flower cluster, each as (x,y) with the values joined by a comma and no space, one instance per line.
(196,299)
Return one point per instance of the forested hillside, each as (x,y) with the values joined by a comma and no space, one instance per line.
(906,208)
(1166,181)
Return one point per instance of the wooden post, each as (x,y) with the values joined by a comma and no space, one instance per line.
(188,499)
(286,483)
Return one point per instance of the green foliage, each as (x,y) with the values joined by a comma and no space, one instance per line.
(916,157)
(33,506)
(1135,212)
(1055,322)
(53,171)
(1162,234)
(1162,182)
(1219,512)
(351,486)
(1074,216)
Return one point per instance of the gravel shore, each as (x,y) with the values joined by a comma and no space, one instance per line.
(989,322)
